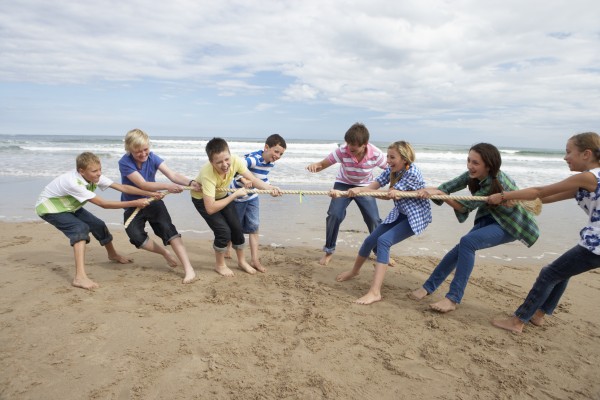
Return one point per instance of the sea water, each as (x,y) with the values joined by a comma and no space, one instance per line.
(29,162)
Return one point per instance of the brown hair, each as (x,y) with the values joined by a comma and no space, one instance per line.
(587,141)
(216,146)
(490,155)
(357,134)
(86,159)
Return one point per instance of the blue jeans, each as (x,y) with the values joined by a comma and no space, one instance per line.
(553,279)
(485,233)
(384,237)
(78,225)
(248,212)
(337,212)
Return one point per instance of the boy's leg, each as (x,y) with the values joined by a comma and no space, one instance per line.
(78,233)
(255,259)
(217,223)
(81,279)
(249,223)
(179,249)
(114,256)
(335,215)
(237,237)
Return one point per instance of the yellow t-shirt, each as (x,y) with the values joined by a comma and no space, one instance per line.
(211,180)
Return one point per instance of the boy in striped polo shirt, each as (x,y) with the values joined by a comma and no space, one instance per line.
(358,158)
(259,163)
(61,204)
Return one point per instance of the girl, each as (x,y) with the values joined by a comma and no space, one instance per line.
(409,216)
(493,225)
(582,155)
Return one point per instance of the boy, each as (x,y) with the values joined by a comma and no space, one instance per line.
(358,158)
(216,206)
(61,204)
(138,168)
(259,163)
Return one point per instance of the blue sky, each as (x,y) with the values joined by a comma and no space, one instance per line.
(512,73)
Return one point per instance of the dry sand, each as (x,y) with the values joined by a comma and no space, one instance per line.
(292,333)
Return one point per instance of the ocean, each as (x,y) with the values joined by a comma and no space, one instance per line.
(49,156)
(28,163)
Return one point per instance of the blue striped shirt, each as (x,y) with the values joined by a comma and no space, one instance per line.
(259,168)
(418,211)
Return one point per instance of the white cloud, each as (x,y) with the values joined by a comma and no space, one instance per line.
(535,62)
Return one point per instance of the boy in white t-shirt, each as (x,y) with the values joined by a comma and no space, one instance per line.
(61,204)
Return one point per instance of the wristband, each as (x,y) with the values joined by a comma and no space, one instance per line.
(502,196)
(190,182)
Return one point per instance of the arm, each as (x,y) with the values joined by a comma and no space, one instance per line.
(134,190)
(259,184)
(319,166)
(100,202)
(213,206)
(427,192)
(565,189)
(353,192)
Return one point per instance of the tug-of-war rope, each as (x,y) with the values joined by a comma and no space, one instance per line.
(533,206)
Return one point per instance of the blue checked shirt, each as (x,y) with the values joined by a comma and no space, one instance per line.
(418,211)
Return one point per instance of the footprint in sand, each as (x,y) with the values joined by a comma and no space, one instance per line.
(16,241)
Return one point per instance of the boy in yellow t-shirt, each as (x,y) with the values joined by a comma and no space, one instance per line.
(216,205)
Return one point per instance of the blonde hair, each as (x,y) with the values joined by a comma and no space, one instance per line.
(86,159)
(587,141)
(135,139)
(407,153)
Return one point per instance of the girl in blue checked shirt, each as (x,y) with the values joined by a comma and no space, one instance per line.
(582,155)
(409,216)
(494,225)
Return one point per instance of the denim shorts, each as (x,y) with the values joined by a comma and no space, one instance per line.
(78,225)
(248,211)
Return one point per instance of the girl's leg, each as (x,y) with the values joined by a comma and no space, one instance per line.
(552,280)
(483,236)
(363,253)
(374,293)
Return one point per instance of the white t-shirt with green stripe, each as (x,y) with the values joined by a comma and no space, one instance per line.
(68,193)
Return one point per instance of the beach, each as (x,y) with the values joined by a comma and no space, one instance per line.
(291,333)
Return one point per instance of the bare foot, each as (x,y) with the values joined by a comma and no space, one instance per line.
(246,267)
(326,258)
(344,276)
(85,283)
(392,262)
(369,298)
(224,270)
(538,318)
(445,305)
(512,324)
(189,276)
(120,259)
(172,261)
(418,294)
(258,266)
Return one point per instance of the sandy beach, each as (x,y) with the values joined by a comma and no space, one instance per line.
(292,333)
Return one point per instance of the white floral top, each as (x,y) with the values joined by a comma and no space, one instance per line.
(590,203)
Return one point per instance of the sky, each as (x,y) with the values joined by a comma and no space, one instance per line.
(512,72)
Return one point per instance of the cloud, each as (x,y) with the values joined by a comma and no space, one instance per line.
(441,61)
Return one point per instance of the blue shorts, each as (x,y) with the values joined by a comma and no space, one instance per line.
(249,215)
(78,225)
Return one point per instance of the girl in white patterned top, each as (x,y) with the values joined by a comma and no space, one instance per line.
(582,155)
